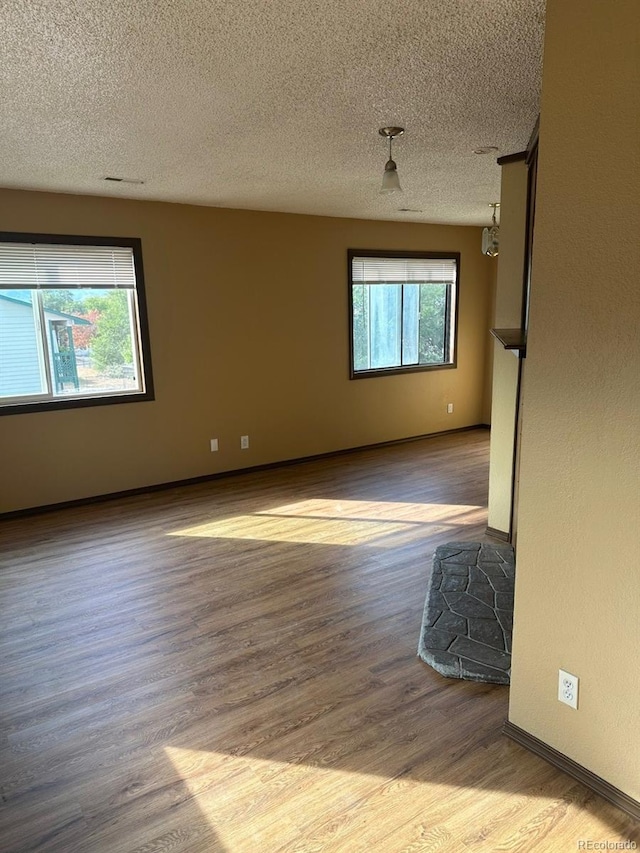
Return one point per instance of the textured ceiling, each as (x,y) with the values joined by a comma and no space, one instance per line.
(270,104)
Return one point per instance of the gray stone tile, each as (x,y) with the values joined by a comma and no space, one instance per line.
(465,605)
(436,639)
(487,631)
(431,615)
(509,570)
(491,569)
(482,591)
(476,575)
(435,581)
(467,558)
(467,622)
(505,618)
(448,621)
(474,671)
(500,583)
(444,663)
(504,600)
(479,652)
(505,551)
(437,599)
(456,569)
(488,553)
(454,583)
(453,548)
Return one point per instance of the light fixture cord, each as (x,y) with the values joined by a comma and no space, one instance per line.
(390,141)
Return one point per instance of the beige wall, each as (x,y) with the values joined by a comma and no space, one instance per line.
(578,568)
(488,366)
(508,309)
(249,335)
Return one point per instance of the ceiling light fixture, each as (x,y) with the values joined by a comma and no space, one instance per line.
(491,236)
(390,179)
(485,149)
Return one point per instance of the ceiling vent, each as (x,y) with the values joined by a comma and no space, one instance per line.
(124,180)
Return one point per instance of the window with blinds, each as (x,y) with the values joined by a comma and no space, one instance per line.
(73,327)
(403,310)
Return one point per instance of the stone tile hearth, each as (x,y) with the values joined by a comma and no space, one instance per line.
(468,615)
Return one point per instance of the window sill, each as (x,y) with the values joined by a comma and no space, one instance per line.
(74,403)
(393,371)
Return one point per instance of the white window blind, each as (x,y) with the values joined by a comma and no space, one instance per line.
(33,266)
(403,271)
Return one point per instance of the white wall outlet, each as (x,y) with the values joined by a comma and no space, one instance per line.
(568,688)
(449,408)
(214,444)
(244,442)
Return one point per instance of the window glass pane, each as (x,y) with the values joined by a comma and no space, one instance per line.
(385,308)
(410,303)
(90,335)
(21,357)
(432,323)
(360,327)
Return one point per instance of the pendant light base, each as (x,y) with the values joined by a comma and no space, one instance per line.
(391,132)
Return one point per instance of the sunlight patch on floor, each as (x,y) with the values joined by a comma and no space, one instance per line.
(327,522)
(258,804)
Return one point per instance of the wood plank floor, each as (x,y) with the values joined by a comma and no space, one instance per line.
(232,667)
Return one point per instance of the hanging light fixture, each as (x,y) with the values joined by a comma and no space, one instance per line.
(390,179)
(491,236)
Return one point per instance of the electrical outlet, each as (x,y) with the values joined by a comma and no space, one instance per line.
(214,444)
(449,408)
(568,688)
(244,442)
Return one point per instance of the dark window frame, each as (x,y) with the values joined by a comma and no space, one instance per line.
(135,244)
(451,324)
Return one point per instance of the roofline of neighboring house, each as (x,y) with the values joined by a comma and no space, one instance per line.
(77,321)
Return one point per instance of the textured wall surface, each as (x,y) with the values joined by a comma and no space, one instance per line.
(578,576)
(248,317)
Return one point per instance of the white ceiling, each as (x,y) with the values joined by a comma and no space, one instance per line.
(270,104)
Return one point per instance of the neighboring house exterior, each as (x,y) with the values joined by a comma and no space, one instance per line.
(21,350)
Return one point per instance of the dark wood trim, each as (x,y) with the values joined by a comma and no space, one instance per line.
(512,158)
(532,174)
(498,534)
(61,404)
(516,450)
(512,339)
(405,368)
(219,475)
(392,371)
(399,253)
(532,177)
(577,771)
(532,144)
(66,239)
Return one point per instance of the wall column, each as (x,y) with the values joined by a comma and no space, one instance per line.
(508,310)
